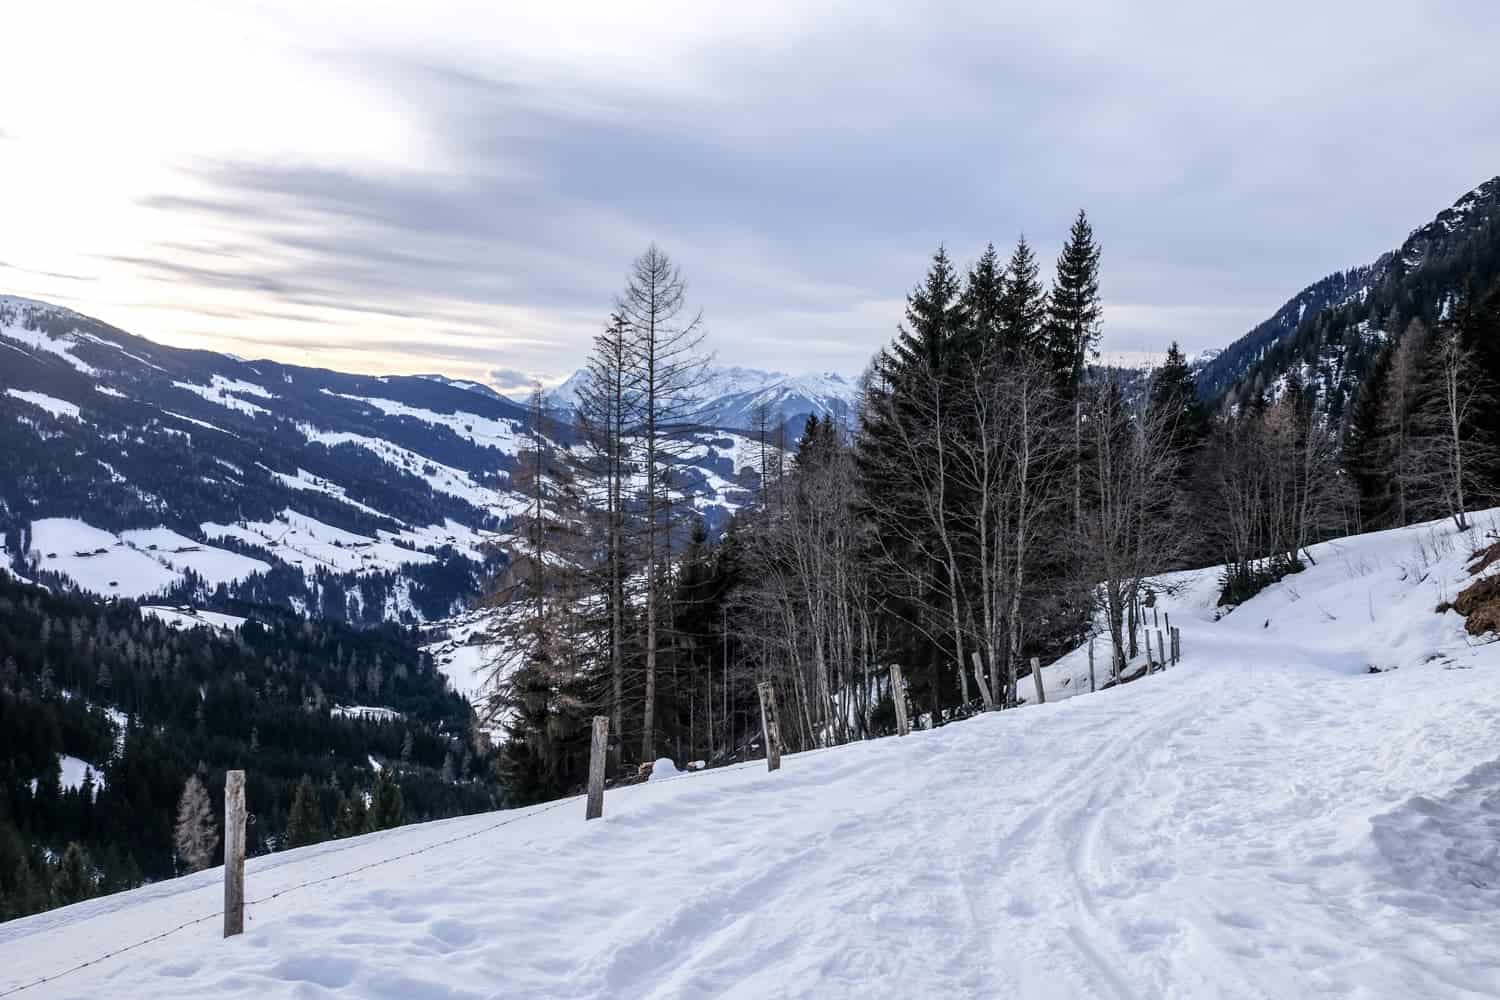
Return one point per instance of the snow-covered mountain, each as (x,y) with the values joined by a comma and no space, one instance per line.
(1329,331)
(134,469)
(734,397)
(1268,818)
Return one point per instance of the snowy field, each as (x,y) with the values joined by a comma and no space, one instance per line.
(134,563)
(1268,819)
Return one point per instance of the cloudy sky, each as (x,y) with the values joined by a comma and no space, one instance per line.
(459,187)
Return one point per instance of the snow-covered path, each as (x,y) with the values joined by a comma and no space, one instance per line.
(1266,820)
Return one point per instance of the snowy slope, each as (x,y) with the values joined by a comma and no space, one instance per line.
(1267,819)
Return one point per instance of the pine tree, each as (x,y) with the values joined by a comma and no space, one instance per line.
(1365,452)
(1073,309)
(1023,306)
(385,811)
(1174,393)
(983,305)
(305,823)
(351,819)
(195,835)
(935,320)
(74,881)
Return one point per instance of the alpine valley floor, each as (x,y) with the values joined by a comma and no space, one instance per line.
(1268,819)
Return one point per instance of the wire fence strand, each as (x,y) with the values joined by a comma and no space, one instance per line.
(509,820)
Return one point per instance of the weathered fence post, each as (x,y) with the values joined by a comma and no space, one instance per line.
(770,725)
(234,853)
(1161,648)
(984,687)
(1036,674)
(898,698)
(598,751)
(1150,666)
(1155,616)
(1091,664)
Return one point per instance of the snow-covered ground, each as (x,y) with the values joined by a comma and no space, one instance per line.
(1268,819)
(464,655)
(134,563)
(53,405)
(190,618)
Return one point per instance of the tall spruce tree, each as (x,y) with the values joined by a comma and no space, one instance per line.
(1023,305)
(1174,393)
(351,819)
(386,808)
(74,881)
(983,305)
(305,822)
(1074,312)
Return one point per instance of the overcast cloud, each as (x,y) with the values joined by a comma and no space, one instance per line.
(460,187)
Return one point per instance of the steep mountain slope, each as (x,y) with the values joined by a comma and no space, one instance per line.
(735,397)
(1330,331)
(134,468)
(1267,819)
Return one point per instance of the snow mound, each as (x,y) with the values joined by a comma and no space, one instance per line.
(663,769)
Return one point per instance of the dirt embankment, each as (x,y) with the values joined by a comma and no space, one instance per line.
(1479,602)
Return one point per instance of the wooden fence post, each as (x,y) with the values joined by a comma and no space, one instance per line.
(770,725)
(898,698)
(1161,648)
(1091,664)
(1150,666)
(1036,675)
(1155,616)
(984,686)
(598,751)
(234,853)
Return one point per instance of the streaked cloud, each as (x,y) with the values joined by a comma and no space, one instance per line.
(459,187)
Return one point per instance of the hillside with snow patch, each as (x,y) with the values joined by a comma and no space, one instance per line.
(370,498)
(1308,805)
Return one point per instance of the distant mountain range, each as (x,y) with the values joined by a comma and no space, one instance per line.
(735,397)
(135,469)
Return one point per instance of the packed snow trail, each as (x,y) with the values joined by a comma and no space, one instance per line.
(1268,819)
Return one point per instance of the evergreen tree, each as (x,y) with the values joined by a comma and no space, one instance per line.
(305,822)
(935,320)
(983,305)
(195,835)
(385,810)
(1073,309)
(1174,392)
(1365,454)
(1023,306)
(74,881)
(351,819)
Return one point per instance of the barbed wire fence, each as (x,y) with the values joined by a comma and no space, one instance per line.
(509,820)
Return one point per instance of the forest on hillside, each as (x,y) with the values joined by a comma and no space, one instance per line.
(159,714)
(996,498)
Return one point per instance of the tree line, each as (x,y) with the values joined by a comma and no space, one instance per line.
(998,496)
